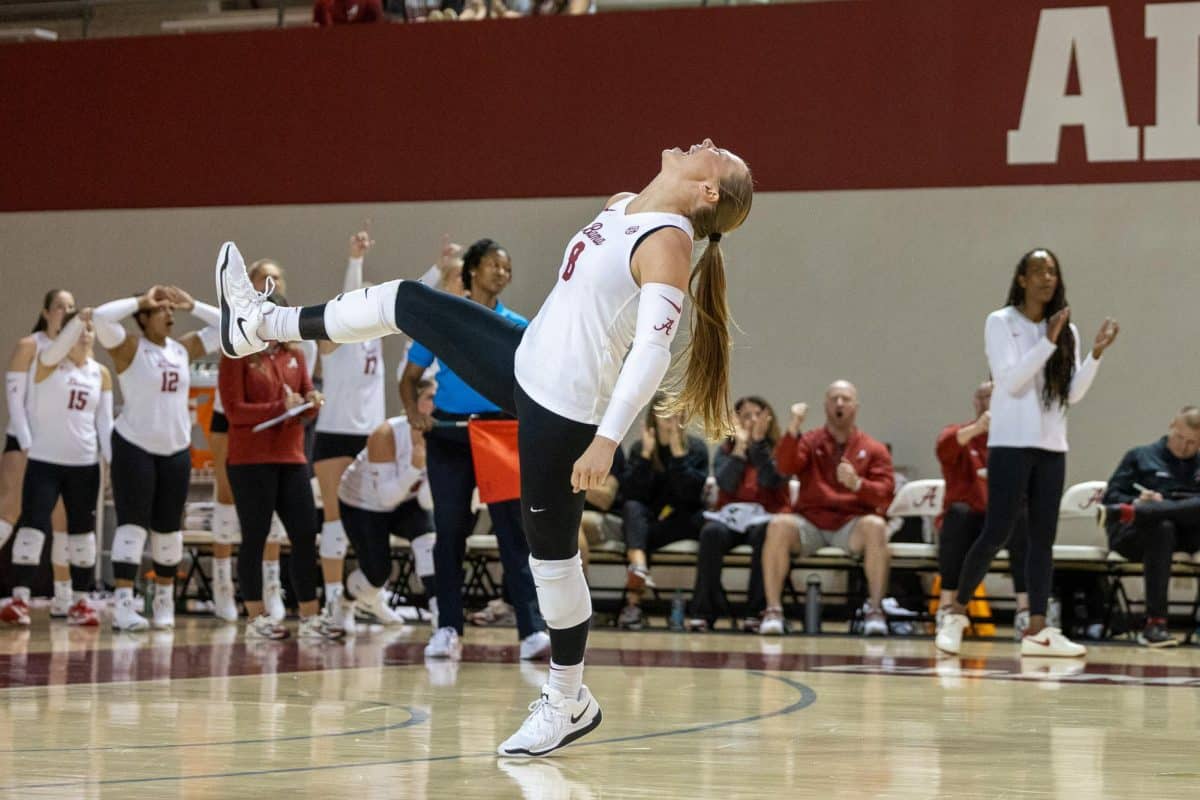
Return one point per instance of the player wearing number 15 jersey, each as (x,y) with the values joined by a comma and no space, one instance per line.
(576,378)
(152,464)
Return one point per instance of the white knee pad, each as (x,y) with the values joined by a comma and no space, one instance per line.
(82,549)
(278,532)
(562,591)
(358,585)
(362,314)
(60,552)
(334,542)
(128,543)
(27,547)
(225,527)
(422,550)
(166,548)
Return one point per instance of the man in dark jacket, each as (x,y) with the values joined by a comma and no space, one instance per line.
(1151,510)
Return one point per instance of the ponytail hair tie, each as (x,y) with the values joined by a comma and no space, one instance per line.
(714,237)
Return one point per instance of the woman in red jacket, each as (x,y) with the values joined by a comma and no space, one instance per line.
(269,474)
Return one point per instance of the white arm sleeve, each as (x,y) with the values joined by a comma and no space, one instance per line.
(1011,370)
(390,484)
(660,310)
(354,275)
(432,277)
(209,315)
(104,424)
(16,385)
(107,321)
(210,337)
(1085,373)
(58,349)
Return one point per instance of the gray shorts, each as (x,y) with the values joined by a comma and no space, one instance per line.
(599,527)
(813,538)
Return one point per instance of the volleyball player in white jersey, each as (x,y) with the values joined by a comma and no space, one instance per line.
(226,530)
(19,382)
(576,378)
(71,418)
(152,461)
(385,491)
(352,376)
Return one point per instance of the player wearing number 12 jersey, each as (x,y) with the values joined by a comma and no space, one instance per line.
(576,378)
(152,464)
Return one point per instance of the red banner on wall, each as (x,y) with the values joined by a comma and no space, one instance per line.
(816,96)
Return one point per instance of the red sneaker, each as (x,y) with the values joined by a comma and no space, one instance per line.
(15,613)
(82,613)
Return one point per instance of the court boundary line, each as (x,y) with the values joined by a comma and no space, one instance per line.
(808,697)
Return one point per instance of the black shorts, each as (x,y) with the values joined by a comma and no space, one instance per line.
(337,445)
(149,490)
(407,520)
(11,443)
(219,424)
(44,483)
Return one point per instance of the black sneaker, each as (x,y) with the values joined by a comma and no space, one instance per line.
(1155,634)
(631,618)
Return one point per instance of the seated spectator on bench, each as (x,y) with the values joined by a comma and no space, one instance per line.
(663,487)
(962,451)
(600,522)
(749,490)
(846,485)
(1152,509)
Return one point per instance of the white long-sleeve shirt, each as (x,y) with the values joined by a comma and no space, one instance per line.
(1017,351)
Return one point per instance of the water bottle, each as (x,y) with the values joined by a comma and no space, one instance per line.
(675,621)
(812,604)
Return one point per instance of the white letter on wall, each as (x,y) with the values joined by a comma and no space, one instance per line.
(1177,132)
(1100,105)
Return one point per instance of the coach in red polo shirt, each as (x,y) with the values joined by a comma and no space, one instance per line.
(846,484)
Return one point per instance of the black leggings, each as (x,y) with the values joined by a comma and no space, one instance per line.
(717,539)
(961,527)
(79,487)
(370,531)
(1014,475)
(149,491)
(258,491)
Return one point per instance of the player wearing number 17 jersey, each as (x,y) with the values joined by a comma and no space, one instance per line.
(152,464)
(576,378)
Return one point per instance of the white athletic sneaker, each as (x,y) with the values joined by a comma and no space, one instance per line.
(241,305)
(772,623)
(272,599)
(1050,642)
(554,721)
(164,607)
(445,643)
(320,626)
(339,611)
(263,627)
(60,604)
(1020,624)
(950,632)
(377,608)
(126,617)
(224,605)
(874,621)
(535,646)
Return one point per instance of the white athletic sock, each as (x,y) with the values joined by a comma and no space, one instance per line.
(282,324)
(270,571)
(566,680)
(21,593)
(331,589)
(124,593)
(62,589)
(223,571)
(77,596)
(164,590)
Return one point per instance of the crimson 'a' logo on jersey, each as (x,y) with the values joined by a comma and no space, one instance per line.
(666,327)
